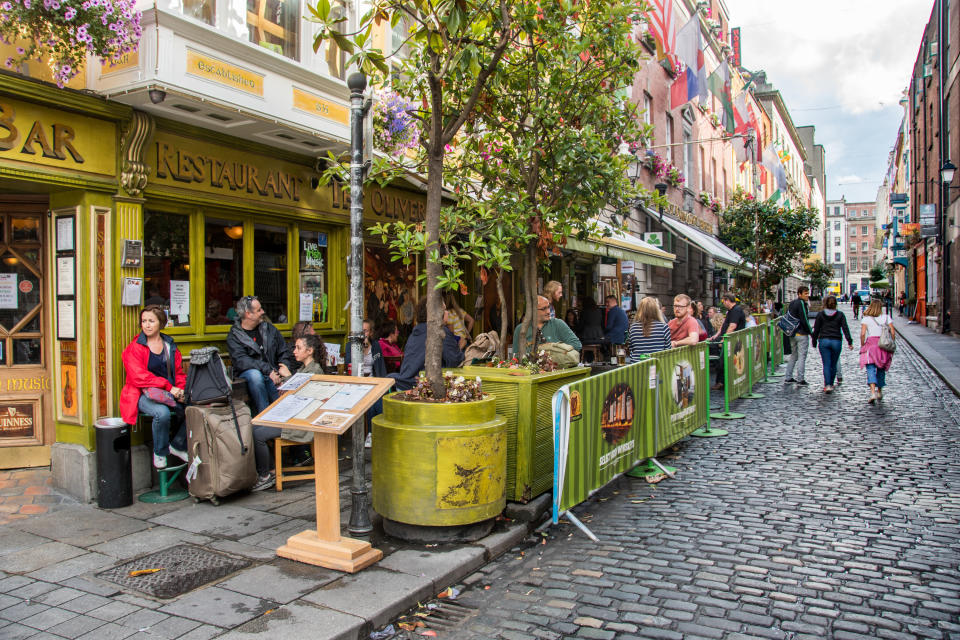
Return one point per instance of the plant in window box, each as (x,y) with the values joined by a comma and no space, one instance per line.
(715,120)
(64,31)
(704,198)
(674,176)
(715,204)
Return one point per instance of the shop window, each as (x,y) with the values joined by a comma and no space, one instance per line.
(270,270)
(223,262)
(273,24)
(202,10)
(21,282)
(166,264)
(313,274)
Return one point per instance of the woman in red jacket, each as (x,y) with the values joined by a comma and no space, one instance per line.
(154,368)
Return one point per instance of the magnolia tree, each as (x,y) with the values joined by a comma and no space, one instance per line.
(64,31)
(767,234)
(517,112)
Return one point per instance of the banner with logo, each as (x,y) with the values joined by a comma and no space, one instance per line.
(736,361)
(758,351)
(776,345)
(603,426)
(684,402)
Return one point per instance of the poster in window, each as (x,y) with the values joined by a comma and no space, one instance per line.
(8,291)
(65,233)
(66,276)
(66,320)
(69,400)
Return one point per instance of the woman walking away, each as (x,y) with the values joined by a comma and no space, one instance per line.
(829,329)
(875,359)
(648,333)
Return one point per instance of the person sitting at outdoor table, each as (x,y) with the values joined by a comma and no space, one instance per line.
(309,352)
(389,334)
(459,321)
(372,363)
(547,330)
(615,323)
(696,310)
(154,385)
(590,329)
(648,333)
(415,352)
(258,352)
(684,328)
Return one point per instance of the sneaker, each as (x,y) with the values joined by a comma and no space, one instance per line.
(788,380)
(716,387)
(802,382)
(879,394)
(159,462)
(368,443)
(828,389)
(839,379)
(265,482)
(180,454)
(873,398)
(306,461)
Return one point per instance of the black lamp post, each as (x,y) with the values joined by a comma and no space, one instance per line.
(947,172)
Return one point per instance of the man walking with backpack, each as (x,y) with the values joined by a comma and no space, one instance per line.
(800,340)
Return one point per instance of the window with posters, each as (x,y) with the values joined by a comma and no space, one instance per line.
(313,272)
(390,290)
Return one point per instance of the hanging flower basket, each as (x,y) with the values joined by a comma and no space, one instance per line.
(65,31)
(394,128)
(674,176)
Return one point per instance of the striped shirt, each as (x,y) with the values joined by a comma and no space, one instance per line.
(658,340)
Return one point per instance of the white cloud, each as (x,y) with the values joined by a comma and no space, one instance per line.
(851,179)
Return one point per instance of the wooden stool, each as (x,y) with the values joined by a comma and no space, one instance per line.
(590,348)
(290,473)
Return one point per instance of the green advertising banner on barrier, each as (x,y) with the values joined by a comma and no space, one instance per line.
(684,393)
(776,345)
(758,352)
(736,360)
(603,425)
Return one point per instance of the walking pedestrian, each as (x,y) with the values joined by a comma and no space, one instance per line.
(888,303)
(829,329)
(799,341)
(856,301)
(874,359)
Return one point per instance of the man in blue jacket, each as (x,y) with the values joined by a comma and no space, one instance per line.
(415,351)
(615,322)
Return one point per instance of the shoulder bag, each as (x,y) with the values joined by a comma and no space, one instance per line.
(788,323)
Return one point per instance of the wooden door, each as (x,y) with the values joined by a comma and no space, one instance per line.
(26,407)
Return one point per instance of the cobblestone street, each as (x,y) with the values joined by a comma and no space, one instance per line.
(819,516)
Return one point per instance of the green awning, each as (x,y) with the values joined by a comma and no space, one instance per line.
(607,247)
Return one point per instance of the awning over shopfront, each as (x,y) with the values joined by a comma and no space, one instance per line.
(622,246)
(721,253)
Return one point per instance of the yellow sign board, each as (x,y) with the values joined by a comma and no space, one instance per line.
(222,72)
(125,62)
(317,106)
(34,134)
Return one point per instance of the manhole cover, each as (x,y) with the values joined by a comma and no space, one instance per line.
(182,568)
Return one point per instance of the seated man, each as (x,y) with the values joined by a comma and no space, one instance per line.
(415,351)
(549,330)
(615,322)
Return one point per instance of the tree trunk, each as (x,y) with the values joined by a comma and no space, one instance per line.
(529,270)
(502,352)
(433,361)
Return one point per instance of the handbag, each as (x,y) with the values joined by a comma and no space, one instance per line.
(161,396)
(788,324)
(886,342)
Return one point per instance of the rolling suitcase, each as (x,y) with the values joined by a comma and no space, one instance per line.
(220,445)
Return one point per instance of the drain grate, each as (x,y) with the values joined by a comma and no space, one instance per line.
(184,568)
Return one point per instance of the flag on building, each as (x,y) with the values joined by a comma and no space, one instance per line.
(690,53)
(719,83)
(663,28)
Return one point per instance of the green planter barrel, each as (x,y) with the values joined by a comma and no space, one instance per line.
(439,464)
(524,399)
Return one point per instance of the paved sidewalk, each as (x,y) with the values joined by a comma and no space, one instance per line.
(29,492)
(940,351)
(49,587)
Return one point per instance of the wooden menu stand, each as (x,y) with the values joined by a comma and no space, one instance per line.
(325,547)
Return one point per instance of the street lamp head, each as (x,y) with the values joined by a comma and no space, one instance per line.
(947,172)
(357,82)
(661,188)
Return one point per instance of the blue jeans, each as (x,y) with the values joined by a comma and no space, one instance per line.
(163,417)
(830,354)
(877,376)
(261,389)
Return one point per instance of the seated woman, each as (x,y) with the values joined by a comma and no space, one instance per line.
(389,347)
(154,386)
(648,333)
(309,352)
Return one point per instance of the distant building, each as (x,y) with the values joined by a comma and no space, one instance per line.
(835,240)
(861,240)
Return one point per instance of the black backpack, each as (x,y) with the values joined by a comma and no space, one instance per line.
(207,383)
(207,380)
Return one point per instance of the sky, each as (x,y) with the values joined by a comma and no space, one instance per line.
(840,65)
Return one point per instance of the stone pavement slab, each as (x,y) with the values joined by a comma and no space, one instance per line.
(219,607)
(60,571)
(225,521)
(40,556)
(374,594)
(144,542)
(81,526)
(299,620)
(441,566)
(12,540)
(284,580)
(940,351)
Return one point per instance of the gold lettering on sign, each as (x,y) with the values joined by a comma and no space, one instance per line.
(183,166)
(101,313)
(37,383)
(62,135)
(384,205)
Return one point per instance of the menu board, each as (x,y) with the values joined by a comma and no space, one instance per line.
(328,404)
